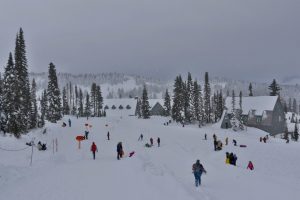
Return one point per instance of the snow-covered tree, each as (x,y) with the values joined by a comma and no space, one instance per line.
(44,107)
(138,109)
(234,121)
(34,110)
(53,96)
(296,132)
(167,103)
(274,88)
(178,100)
(80,107)
(188,87)
(207,94)
(87,108)
(145,107)
(250,90)
(65,109)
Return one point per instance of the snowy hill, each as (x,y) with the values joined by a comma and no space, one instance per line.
(152,173)
(116,85)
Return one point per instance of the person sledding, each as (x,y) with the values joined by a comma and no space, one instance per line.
(250,166)
(94,149)
(120,150)
(198,169)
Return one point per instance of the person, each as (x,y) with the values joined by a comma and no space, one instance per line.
(94,149)
(250,166)
(86,133)
(215,137)
(69,122)
(227,158)
(141,137)
(119,150)
(64,124)
(39,146)
(151,141)
(198,169)
(205,136)
(287,140)
(158,142)
(215,145)
(231,158)
(234,142)
(44,148)
(234,159)
(226,141)
(260,139)
(108,135)
(265,139)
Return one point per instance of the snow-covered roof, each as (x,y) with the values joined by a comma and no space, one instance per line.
(257,103)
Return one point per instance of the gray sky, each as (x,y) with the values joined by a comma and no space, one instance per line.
(243,39)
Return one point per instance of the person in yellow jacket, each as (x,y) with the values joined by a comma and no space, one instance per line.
(227,158)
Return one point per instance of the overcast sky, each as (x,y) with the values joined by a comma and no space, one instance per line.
(244,39)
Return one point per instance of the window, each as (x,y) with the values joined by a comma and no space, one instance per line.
(258,120)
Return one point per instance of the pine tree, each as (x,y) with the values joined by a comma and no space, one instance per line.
(250,90)
(11,110)
(34,110)
(274,88)
(207,105)
(240,111)
(178,100)
(65,109)
(44,107)
(296,132)
(295,106)
(22,92)
(138,109)
(2,121)
(290,105)
(53,96)
(188,87)
(87,108)
(196,102)
(167,103)
(76,99)
(80,101)
(234,122)
(145,107)
(220,105)
(99,100)
(94,99)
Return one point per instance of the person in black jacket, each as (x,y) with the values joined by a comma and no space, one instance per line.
(198,169)
(119,150)
(158,142)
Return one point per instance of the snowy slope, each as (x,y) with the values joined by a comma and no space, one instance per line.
(154,173)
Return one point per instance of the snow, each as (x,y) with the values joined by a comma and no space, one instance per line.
(152,173)
(257,103)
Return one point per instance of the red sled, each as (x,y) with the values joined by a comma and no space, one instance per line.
(243,145)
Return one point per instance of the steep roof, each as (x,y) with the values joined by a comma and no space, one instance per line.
(258,103)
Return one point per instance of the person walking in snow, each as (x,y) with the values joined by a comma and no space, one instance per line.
(265,139)
(198,169)
(141,137)
(215,145)
(120,150)
(108,135)
(215,137)
(205,136)
(250,166)
(226,141)
(234,142)
(151,141)
(69,122)
(86,133)
(94,149)
(158,142)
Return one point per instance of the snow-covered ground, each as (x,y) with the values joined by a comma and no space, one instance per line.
(152,173)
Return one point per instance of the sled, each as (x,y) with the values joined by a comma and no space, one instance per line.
(243,145)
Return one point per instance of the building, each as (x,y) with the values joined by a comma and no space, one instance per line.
(262,112)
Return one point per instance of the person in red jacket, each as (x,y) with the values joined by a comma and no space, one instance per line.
(94,149)
(250,166)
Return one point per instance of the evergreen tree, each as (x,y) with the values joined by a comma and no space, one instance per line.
(178,100)
(240,111)
(53,96)
(44,107)
(196,107)
(295,106)
(207,105)
(220,105)
(94,99)
(80,101)
(274,88)
(234,122)
(296,132)
(99,100)
(138,109)
(66,109)
(34,110)
(188,87)
(11,110)
(145,107)
(250,90)
(22,91)
(167,103)
(290,105)
(2,120)
(87,108)
(76,98)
